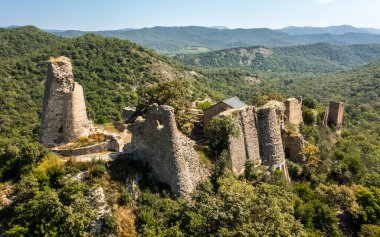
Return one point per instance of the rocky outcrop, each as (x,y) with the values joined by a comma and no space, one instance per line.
(157,141)
(64,118)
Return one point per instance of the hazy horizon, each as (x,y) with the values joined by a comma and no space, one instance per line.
(135,28)
(99,15)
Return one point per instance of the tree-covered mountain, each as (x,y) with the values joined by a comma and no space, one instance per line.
(190,39)
(316,58)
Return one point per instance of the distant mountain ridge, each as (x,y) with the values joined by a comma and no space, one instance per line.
(334,30)
(196,39)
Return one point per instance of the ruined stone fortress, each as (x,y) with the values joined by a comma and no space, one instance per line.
(156,139)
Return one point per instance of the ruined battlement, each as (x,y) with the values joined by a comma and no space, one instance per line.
(157,141)
(64,118)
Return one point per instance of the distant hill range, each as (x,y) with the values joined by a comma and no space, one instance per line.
(195,39)
(315,58)
(334,30)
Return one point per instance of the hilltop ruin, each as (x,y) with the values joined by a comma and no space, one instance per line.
(64,118)
(157,141)
(259,140)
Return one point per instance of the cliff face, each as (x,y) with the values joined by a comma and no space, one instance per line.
(171,155)
(64,118)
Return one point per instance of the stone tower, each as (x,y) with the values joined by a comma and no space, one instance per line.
(269,127)
(64,118)
(335,115)
(293,110)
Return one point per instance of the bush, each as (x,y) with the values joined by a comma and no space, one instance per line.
(308,116)
(309,103)
(219,130)
(369,230)
(98,170)
(262,100)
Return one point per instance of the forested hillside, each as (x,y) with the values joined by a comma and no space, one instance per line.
(315,58)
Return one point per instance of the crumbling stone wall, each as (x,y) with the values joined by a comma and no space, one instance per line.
(293,110)
(335,115)
(64,118)
(245,146)
(157,141)
(260,138)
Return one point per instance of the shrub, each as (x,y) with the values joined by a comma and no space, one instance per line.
(98,170)
(309,103)
(220,129)
(308,116)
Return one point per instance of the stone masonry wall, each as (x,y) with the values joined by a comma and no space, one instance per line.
(64,118)
(293,110)
(171,155)
(245,146)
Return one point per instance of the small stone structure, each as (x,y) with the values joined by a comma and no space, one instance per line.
(333,116)
(231,103)
(157,141)
(128,113)
(293,110)
(64,118)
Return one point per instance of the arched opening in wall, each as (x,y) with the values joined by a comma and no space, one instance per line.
(160,125)
(60,130)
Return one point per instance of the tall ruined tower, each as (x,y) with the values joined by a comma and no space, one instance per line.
(335,115)
(64,118)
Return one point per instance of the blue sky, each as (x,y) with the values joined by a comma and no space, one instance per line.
(117,14)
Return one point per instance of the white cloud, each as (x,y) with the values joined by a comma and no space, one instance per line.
(325,0)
